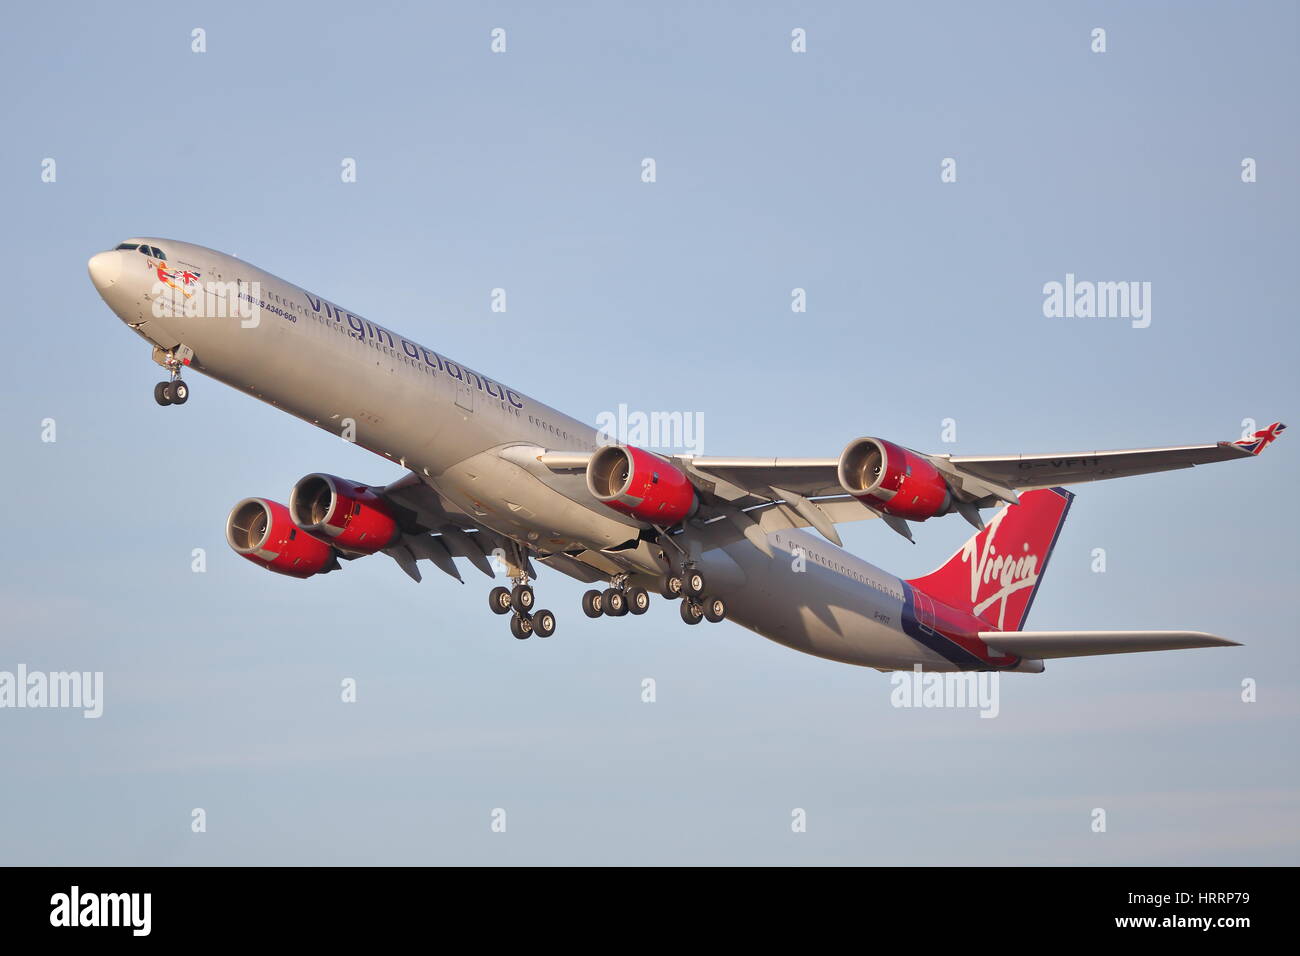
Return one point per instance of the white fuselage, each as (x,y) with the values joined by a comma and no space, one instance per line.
(455,428)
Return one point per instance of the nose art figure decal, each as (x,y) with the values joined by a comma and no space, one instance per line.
(187,280)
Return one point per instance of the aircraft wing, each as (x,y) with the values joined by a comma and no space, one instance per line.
(976,477)
(761,494)
(1023,472)
(1045,645)
(432,530)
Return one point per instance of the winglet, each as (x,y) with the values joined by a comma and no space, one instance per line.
(1261,439)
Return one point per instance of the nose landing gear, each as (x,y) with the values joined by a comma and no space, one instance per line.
(174,391)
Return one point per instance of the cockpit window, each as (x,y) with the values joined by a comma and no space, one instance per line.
(129,245)
(158,253)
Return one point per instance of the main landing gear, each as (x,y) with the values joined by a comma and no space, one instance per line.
(616,600)
(689,586)
(518,603)
(697,605)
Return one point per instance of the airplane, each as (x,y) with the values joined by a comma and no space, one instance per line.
(493,476)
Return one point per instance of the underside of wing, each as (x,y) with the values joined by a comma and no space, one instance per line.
(1045,645)
(1023,472)
(435,531)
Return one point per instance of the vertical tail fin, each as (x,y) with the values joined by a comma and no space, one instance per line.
(996,574)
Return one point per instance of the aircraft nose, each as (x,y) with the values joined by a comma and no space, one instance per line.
(105,269)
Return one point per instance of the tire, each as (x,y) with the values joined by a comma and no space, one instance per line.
(638,600)
(499,600)
(693,584)
(671,587)
(521,626)
(178,392)
(543,623)
(691,612)
(160,393)
(715,609)
(614,602)
(522,598)
(591,604)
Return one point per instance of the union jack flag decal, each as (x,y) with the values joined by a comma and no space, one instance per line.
(1261,439)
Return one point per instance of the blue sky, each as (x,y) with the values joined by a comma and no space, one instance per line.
(775,170)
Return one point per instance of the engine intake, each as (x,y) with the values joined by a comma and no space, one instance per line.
(637,483)
(262,531)
(347,514)
(893,479)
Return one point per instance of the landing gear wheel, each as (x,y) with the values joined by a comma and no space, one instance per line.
(521,598)
(177,392)
(591,604)
(671,588)
(160,393)
(614,602)
(692,612)
(499,600)
(715,609)
(693,583)
(521,626)
(638,600)
(543,623)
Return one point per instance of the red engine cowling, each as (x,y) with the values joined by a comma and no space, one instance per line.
(262,531)
(640,484)
(893,479)
(349,515)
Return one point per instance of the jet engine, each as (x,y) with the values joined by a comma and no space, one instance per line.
(635,482)
(262,531)
(893,479)
(347,514)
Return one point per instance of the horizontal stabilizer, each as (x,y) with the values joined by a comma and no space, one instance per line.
(1044,645)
